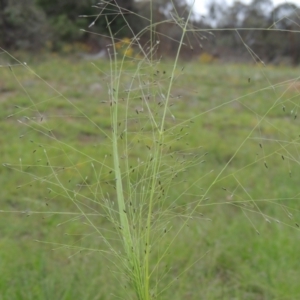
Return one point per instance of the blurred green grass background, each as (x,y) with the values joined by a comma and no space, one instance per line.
(222,104)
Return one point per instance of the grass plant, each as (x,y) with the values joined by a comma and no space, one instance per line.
(161,181)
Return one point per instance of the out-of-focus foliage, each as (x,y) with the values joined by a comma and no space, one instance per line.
(68,17)
(22,25)
(255,31)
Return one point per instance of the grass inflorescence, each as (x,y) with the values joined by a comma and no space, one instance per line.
(152,173)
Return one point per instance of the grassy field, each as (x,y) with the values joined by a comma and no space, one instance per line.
(235,126)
